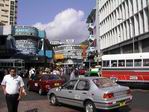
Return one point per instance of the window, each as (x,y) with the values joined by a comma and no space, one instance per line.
(17,64)
(4,16)
(129,63)
(83,85)
(1,5)
(12,2)
(145,62)
(70,85)
(106,63)
(137,62)
(121,63)
(104,82)
(114,63)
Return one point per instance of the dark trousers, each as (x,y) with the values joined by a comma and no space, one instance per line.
(12,102)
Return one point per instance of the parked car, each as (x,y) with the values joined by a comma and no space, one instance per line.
(44,83)
(82,71)
(91,93)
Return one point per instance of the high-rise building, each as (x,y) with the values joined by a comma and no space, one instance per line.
(8,12)
(122,26)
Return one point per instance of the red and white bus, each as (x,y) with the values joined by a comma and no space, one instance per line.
(132,67)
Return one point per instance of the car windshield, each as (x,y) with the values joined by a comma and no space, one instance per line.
(104,82)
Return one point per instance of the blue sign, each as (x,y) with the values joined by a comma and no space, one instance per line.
(41,34)
(48,53)
(25,30)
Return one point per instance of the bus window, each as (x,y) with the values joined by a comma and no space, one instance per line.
(114,63)
(129,63)
(106,64)
(145,62)
(137,62)
(121,63)
(17,64)
(8,64)
(11,64)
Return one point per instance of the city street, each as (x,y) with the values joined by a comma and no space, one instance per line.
(33,101)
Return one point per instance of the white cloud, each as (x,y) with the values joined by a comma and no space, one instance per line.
(68,24)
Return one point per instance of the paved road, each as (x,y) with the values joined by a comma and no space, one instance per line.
(34,101)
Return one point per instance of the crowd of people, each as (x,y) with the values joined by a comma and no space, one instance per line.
(66,73)
(13,85)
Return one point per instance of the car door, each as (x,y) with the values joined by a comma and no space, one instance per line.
(81,92)
(66,93)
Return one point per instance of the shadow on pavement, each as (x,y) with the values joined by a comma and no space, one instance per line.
(32,110)
(77,109)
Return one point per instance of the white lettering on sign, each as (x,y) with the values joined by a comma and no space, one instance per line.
(26,46)
(133,78)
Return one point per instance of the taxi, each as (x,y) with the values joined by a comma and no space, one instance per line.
(44,83)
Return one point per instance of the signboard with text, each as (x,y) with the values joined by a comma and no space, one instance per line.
(27,46)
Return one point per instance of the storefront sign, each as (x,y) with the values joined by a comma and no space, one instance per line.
(25,30)
(58,56)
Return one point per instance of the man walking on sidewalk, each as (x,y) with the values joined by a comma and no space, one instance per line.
(13,88)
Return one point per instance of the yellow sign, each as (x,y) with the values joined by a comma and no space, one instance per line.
(58,56)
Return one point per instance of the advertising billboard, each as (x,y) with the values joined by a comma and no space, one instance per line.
(26,46)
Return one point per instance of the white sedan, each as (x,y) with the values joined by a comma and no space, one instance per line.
(91,93)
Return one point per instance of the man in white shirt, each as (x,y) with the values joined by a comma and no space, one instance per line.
(32,73)
(13,87)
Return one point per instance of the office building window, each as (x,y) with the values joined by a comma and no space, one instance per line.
(1,5)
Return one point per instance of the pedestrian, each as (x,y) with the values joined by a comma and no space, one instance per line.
(72,75)
(13,88)
(32,73)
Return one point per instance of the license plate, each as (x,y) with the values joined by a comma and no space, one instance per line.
(122,104)
(56,84)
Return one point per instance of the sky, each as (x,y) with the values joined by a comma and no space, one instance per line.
(61,19)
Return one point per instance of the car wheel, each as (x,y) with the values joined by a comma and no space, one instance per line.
(89,107)
(28,87)
(53,100)
(40,91)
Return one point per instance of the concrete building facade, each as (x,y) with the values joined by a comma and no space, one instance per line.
(122,26)
(8,12)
